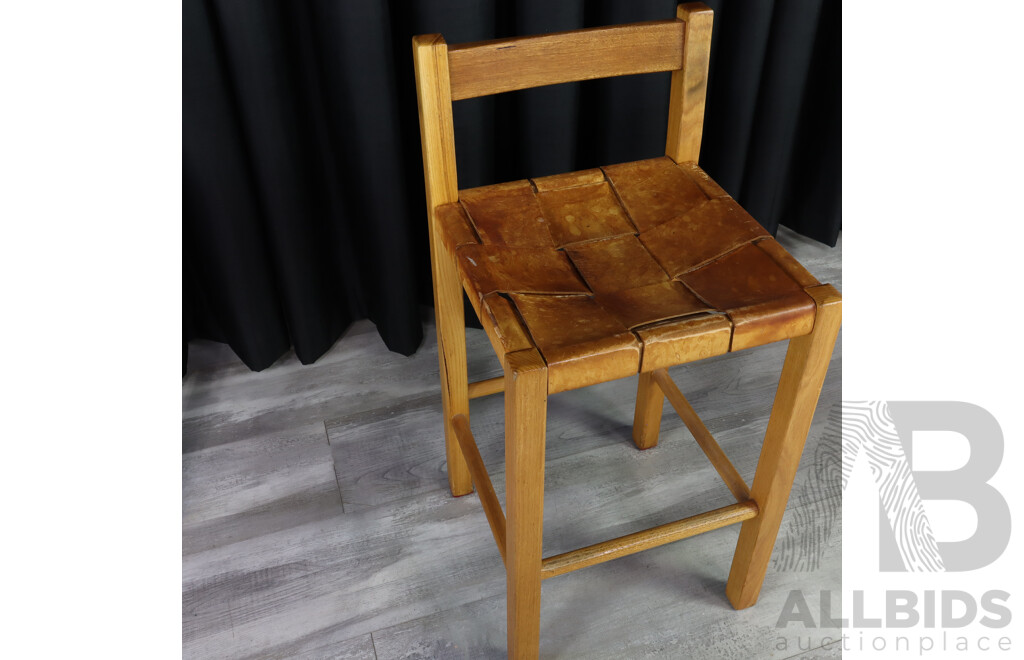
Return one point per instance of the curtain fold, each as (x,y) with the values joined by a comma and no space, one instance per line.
(303,186)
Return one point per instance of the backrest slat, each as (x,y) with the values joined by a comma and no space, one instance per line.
(504,65)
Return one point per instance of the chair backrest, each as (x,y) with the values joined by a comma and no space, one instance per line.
(445,74)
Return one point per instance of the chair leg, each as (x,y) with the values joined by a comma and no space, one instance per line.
(451,351)
(647,418)
(802,376)
(526,390)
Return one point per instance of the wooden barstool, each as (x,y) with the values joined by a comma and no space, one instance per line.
(591,276)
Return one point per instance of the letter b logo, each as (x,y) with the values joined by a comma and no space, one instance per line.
(884,432)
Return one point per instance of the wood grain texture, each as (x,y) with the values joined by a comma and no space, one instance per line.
(647,415)
(360,648)
(689,85)
(433,97)
(504,65)
(223,404)
(487,387)
(647,539)
(803,373)
(526,395)
(272,482)
(430,56)
(419,570)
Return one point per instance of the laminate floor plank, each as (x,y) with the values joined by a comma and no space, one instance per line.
(337,578)
(247,488)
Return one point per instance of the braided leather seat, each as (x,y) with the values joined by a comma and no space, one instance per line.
(627,268)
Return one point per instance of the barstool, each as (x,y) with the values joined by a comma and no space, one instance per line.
(596,275)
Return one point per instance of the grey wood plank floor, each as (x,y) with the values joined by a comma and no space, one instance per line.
(316,521)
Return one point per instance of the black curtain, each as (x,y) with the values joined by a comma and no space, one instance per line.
(303,184)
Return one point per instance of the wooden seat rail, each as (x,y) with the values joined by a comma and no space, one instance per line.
(486,387)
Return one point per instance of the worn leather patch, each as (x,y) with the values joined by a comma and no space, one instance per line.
(616,263)
(684,340)
(651,303)
(583,213)
(654,191)
(762,300)
(703,233)
(454,226)
(497,268)
(580,341)
(785,260)
(507,214)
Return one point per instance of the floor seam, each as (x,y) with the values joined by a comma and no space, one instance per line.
(334,467)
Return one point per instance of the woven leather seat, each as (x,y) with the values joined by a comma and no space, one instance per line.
(590,276)
(627,268)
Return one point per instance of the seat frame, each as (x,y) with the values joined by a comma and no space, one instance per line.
(445,74)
